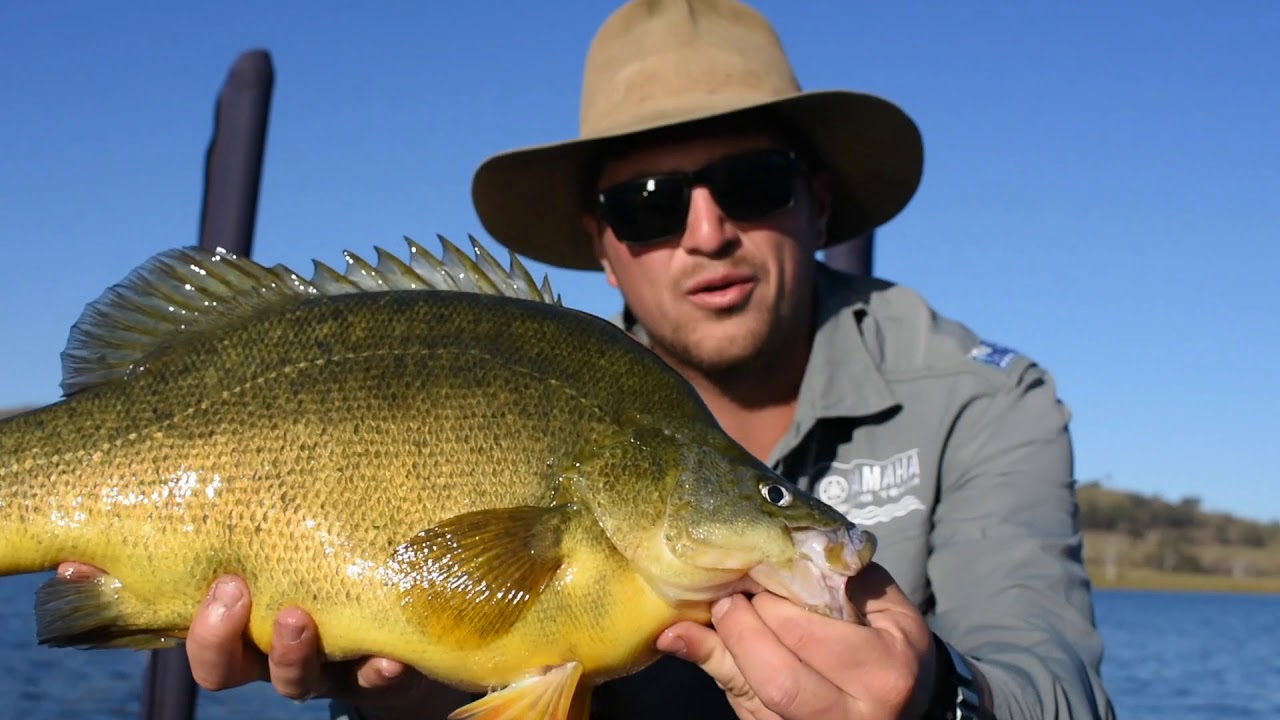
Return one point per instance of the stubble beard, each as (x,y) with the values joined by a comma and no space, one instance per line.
(741,365)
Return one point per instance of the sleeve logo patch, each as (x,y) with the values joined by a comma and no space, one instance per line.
(990,353)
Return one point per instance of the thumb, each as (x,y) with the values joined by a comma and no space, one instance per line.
(887,608)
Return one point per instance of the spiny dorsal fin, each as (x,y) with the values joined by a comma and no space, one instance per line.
(187,290)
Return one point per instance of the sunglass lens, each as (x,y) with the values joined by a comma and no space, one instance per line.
(646,210)
(755,185)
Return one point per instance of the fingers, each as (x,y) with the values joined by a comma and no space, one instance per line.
(298,670)
(702,646)
(833,648)
(379,673)
(874,593)
(71,570)
(904,635)
(753,667)
(221,656)
(294,661)
(880,664)
(775,659)
(216,648)
(781,680)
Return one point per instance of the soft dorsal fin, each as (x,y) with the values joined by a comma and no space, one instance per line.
(186,290)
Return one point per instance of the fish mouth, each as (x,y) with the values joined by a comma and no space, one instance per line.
(822,566)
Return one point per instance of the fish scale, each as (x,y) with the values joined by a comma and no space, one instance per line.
(432,457)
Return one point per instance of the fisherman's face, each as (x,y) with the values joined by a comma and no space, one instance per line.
(718,294)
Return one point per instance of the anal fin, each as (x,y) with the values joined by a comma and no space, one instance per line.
(554,695)
(98,613)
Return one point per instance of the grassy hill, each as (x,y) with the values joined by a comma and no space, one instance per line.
(1139,541)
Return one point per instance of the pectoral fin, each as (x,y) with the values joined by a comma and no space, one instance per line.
(470,578)
(554,695)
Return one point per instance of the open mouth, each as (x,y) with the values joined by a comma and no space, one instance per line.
(823,565)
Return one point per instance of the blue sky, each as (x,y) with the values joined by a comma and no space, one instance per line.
(1100,178)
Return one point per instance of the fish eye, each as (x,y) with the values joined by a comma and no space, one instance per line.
(776,494)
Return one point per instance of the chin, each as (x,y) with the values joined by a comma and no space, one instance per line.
(723,349)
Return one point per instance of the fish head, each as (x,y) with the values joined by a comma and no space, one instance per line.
(732,524)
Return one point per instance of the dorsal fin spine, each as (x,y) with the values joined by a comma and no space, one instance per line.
(185,290)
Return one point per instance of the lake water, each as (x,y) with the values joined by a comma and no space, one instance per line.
(1171,656)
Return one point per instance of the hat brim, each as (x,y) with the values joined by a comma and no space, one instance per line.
(530,200)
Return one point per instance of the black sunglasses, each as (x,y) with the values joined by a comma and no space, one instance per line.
(748,186)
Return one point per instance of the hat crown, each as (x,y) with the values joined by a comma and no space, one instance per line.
(663,64)
(660,61)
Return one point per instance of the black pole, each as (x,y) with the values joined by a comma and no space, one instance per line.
(233,172)
(233,165)
(854,255)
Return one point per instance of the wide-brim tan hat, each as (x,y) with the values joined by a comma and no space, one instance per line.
(663,63)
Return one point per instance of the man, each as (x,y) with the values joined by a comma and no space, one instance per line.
(702,184)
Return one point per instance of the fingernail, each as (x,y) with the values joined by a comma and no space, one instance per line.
(225,596)
(677,647)
(389,671)
(719,607)
(290,632)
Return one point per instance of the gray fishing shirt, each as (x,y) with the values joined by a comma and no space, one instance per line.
(956,453)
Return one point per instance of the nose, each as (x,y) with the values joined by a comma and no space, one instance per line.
(708,231)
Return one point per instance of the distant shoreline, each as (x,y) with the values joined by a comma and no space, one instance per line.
(1142,579)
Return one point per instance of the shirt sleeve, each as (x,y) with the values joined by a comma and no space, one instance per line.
(1006,571)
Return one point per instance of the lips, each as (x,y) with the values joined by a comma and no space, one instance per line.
(721,291)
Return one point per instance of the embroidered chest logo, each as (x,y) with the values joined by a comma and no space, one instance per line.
(872,491)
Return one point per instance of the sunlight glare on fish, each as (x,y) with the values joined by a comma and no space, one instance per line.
(211,489)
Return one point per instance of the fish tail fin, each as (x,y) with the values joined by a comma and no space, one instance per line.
(99,612)
(553,695)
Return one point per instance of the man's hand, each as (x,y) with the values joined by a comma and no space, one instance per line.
(775,659)
(222,657)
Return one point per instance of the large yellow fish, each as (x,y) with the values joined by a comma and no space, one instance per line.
(434,458)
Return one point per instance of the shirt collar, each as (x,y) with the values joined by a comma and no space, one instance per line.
(843,376)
